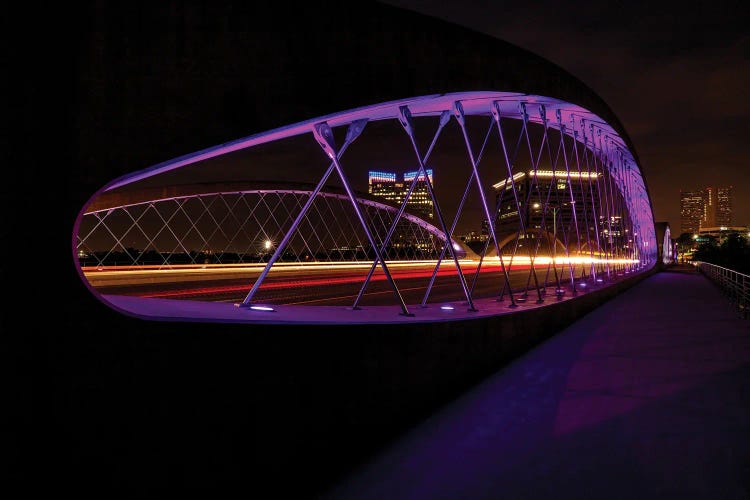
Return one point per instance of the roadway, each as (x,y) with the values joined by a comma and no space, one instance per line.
(322,284)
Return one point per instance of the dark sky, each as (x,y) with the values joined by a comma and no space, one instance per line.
(676,79)
(676,74)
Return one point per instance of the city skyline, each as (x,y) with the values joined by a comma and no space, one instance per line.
(676,78)
(299,387)
(707,207)
(656,108)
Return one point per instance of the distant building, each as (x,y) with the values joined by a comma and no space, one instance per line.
(475,241)
(691,211)
(724,206)
(485,227)
(383,185)
(386,185)
(561,209)
(709,207)
(721,232)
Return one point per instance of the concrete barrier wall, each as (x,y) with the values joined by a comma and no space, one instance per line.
(201,403)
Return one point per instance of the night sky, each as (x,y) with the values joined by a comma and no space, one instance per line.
(676,75)
(675,78)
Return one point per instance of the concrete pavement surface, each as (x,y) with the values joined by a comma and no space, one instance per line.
(646,397)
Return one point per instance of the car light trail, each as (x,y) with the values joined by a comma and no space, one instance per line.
(448,270)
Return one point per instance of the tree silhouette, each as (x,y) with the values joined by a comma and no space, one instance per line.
(733,253)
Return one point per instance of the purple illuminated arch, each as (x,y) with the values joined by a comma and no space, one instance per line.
(418,221)
(584,127)
(364,201)
(474,103)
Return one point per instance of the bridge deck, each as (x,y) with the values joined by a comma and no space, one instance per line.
(646,397)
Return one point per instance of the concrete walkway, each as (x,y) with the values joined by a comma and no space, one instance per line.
(646,397)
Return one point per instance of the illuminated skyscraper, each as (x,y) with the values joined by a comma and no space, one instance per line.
(563,212)
(691,211)
(724,206)
(385,185)
(709,207)
(705,208)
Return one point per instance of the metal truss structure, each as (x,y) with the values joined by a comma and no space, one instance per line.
(245,226)
(584,214)
(669,253)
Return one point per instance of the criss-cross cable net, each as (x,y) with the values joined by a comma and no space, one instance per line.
(245,227)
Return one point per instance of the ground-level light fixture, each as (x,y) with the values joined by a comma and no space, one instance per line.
(262,308)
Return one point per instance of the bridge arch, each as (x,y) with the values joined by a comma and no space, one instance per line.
(237,225)
(498,80)
(593,167)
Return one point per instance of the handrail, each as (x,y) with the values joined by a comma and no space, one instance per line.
(735,285)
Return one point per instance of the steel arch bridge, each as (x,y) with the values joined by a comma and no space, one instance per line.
(235,227)
(565,203)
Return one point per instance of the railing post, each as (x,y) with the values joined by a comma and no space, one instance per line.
(732,284)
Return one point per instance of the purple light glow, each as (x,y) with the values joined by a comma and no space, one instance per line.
(473,103)
(584,128)
(262,308)
(364,201)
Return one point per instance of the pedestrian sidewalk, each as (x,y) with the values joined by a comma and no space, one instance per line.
(646,397)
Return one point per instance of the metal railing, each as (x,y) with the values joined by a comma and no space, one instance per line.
(736,286)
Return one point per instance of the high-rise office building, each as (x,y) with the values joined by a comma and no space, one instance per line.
(387,186)
(691,211)
(563,214)
(724,206)
(705,208)
(709,207)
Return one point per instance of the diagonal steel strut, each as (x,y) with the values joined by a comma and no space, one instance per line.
(324,136)
(509,165)
(458,112)
(354,130)
(407,124)
(455,221)
(406,121)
